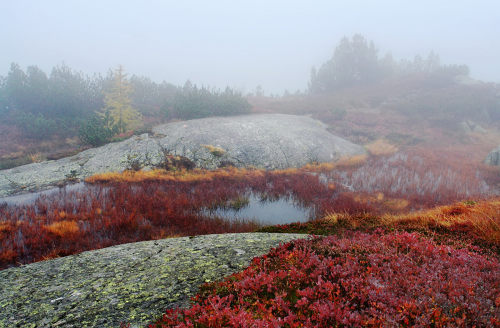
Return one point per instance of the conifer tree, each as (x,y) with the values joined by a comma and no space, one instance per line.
(118,104)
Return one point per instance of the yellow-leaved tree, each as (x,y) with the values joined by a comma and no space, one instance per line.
(118,110)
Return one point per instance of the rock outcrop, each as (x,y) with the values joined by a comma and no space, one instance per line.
(131,283)
(269,141)
(493,157)
(139,150)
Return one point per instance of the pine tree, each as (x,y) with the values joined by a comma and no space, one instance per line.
(118,104)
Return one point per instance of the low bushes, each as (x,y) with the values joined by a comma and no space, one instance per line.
(369,280)
(96,131)
(192,102)
(35,125)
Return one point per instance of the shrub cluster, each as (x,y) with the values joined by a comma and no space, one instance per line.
(35,126)
(360,280)
(96,131)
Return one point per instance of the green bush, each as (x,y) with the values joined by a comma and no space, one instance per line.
(95,131)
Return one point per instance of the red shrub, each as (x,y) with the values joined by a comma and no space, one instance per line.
(398,279)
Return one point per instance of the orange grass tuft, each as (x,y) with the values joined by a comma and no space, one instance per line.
(5,228)
(63,228)
(196,175)
(199,175)
(482,218)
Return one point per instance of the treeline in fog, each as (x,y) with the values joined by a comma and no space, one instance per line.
(97,107)
(421,88)
(356,61)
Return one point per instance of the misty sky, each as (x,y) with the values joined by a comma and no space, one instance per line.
(241,43)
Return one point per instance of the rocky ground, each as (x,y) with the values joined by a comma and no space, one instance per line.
(269,141)
(125,283)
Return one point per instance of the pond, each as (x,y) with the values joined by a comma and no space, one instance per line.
(266,212)
(252,206)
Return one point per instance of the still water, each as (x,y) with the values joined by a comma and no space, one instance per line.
(268,212)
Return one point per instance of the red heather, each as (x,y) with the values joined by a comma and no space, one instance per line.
(397,279)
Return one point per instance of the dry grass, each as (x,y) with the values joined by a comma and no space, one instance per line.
(460,224)
(196,175)
(36,157)
(381,147)
(483,218)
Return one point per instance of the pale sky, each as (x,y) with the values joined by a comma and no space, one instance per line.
(241,43)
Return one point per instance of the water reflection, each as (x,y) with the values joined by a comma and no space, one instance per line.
(267,212)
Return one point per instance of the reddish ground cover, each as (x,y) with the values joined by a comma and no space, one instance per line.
(374,280)
(121,212)
(136,206)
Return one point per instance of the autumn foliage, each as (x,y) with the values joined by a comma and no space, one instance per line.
(393,257)
(358,280)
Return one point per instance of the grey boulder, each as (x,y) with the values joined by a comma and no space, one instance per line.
(271,141)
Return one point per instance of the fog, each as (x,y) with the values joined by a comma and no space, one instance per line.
(212,131)
(243,45)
